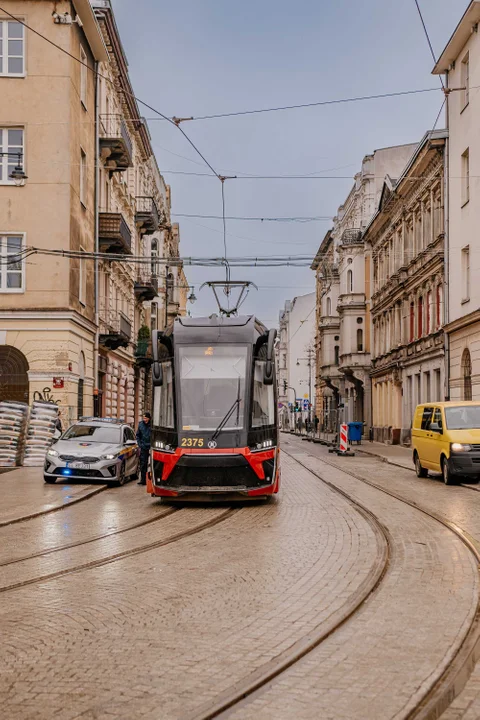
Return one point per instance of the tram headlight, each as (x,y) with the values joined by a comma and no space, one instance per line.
(264,445)
(160,445)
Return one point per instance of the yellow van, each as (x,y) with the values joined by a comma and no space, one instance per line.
(446,439)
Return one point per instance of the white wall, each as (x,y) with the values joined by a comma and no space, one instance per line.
(301,336)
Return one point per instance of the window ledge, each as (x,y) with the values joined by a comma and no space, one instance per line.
(465,203)
(465,107)
(20,76)
(465,300)
(11,291)
(84,106)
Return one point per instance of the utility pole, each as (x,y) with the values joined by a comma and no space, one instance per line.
(309,358)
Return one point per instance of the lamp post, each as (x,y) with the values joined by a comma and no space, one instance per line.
(309,363)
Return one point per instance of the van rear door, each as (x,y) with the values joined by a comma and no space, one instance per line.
(423,418)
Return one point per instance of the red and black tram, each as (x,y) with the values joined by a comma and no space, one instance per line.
(214,418)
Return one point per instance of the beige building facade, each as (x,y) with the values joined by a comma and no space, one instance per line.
(47,310)
(460,64)
(406,242)
(75,330)
(343,340)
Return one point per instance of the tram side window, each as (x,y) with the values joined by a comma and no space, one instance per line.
(263,412)
(163,415)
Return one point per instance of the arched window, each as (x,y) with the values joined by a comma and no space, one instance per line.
(81,382)
(439,305)
(420,317)
(428,314)
(329,307)
(170,287)
(14,368)
(337,354)
(467,374)
(412,321)
(359,340)
(154,254)
(349,281)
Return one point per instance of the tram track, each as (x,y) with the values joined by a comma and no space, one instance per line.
(87,541)
(440,695)
(174,537)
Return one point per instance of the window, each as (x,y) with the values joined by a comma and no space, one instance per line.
(420,317)
(337,354)
(465,81)
(11,266)
(428,313)
(83,178)
(439,305)
(467,374)
(12,49)
(465,177)
(359,340)
(11,153)
(263,408)
(212,386)
(163,399)
(153,317)
(426,418)
(329,307)
(349,281)
(412,321)
(154,255)
(82,279)
(438,385)
(437,418)
(83,77)
(81,383)
(466,273)
(427,386)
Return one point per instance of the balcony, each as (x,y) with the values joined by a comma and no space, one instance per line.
(173,308)
(114,234)
(147,217)
(146,286)
(118,331)
(352,236)
(332,322)
(143,353)
(115,143)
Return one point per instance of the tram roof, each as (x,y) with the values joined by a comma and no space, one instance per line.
(218,328)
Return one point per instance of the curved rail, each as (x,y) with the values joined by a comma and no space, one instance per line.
(125,553)
(442,692)
(95,538)
(57,508)
(270,670)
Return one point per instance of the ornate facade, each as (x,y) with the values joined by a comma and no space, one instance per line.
(405,241)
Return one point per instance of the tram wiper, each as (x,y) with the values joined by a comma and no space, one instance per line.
(228,415)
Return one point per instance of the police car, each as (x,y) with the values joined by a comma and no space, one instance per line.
(94,449)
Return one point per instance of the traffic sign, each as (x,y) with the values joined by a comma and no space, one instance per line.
(306,404)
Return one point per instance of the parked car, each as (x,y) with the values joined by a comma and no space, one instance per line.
(94,449)
(446,439)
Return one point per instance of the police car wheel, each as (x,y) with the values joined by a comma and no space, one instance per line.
(121,474)
(49,480)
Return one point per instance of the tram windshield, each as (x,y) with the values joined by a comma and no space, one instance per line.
(212,379)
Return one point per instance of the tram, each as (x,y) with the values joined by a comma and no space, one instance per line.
(214,419)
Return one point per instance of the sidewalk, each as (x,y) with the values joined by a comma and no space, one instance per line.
(392,454)
(25,495)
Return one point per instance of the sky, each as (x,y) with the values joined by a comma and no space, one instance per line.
(200,57)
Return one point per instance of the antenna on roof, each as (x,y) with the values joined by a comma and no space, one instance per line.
(243,287)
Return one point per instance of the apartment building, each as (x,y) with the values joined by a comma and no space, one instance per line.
(76,330)
(460,65)
(405,239)
(343,336)
(47,129)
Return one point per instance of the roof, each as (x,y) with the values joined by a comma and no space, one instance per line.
(459,38)
(390,185)
(321,250)
(91,29)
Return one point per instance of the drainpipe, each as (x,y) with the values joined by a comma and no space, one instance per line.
(446,252)
(97,196)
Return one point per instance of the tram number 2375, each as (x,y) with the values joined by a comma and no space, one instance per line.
(192,442)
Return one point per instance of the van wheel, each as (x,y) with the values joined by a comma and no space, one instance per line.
(421,471)
(448,478)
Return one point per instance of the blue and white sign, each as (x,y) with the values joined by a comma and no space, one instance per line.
(306,404)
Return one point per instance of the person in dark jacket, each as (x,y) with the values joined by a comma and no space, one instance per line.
(143,439)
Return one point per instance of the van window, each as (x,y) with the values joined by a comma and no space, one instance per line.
(427,418)
(437,418)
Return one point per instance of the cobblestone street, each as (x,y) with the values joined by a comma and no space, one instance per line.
(333,601)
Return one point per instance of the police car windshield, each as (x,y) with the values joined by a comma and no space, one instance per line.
(93,433)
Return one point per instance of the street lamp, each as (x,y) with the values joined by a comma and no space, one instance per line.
(309,363)
(192,297)
(18,174)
